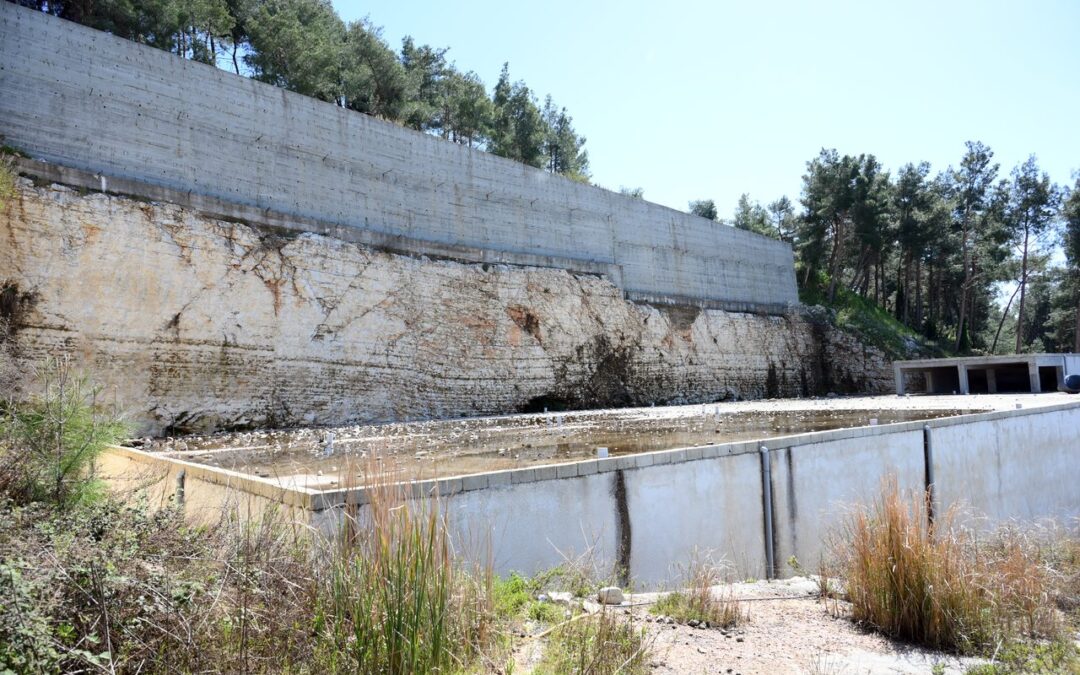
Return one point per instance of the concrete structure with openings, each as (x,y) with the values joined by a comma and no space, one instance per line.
(1032,373)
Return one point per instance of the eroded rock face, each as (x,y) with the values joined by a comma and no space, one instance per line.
(193,323)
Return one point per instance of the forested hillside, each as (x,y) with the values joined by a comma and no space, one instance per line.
(935,250)
(919,255)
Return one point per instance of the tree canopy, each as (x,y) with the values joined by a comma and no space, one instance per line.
(964,256)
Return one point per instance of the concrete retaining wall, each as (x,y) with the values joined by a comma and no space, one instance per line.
(650,513)
(814,484)
(88,100)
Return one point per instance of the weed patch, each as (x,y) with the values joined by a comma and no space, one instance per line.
(599,644)
(701,601)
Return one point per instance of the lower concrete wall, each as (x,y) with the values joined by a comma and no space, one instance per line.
(205,494)
(1019,466)
(706,508)
(815,484)
(643,517)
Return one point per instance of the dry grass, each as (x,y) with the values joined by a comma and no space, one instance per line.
(600,644)
(942,586)
(701,600)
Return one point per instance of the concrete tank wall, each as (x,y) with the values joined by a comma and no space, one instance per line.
(814,485)
(1016,466)
(85,99)
(650,514)
(708,500)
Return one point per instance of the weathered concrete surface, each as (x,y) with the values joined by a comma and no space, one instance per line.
(196,323)
(815,484)
(83,98)
(647,514)
(1021,466)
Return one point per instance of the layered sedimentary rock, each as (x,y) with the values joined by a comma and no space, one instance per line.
(191,322)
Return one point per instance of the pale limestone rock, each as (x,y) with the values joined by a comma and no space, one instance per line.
(610,595)
(192,323)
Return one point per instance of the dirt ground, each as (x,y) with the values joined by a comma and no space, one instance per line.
(325,458)
(790,630)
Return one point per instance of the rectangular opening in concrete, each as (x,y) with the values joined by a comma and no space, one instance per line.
(978,381)
(1049,377)
(942,380)
(1012,378)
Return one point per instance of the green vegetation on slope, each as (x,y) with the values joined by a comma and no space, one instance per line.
(872,324)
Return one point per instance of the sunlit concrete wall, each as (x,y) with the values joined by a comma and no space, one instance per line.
(1013,466)
(85,99)
(644,517)
(709,501)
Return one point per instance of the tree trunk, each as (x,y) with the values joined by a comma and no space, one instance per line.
(901,285)
(1023,285)
(1001,323)
(1076,337)
(964,289)
(834,266)
(931,291)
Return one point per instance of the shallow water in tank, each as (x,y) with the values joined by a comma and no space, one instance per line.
(420,450)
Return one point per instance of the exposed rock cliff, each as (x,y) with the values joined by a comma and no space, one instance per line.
(196,323)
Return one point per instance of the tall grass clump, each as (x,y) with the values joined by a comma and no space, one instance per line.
(397,599)
(700,601)
(940,586)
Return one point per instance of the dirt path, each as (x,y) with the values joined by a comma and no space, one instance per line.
(790,630)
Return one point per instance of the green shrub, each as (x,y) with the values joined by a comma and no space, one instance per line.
(511,595)
(48,443)
(1059,657)
(7,180)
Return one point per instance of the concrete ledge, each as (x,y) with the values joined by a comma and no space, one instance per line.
(260,487)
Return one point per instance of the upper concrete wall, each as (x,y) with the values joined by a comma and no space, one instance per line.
(86,99)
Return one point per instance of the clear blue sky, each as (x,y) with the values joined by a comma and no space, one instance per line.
(696,100)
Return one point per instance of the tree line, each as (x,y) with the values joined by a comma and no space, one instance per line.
(304,46)
(935,249)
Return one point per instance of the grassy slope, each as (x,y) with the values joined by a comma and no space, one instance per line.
(873,325)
